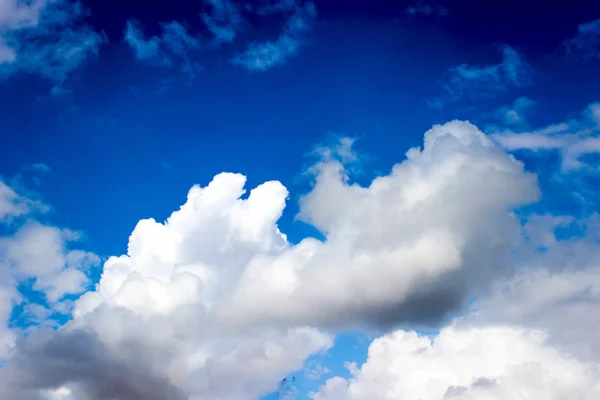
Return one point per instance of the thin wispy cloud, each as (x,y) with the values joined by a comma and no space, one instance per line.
(423,7)
(174,47)
(223,19)
(586,43)
(261,56)
(487,80)
(46,38)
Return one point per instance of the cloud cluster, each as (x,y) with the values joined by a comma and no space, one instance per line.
(216,303)
(495,362)
(573,138)
(424,8)
(46,38)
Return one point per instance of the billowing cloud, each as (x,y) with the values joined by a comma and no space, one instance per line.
(574,138)
(261,56)
(216,303)
(495,362)
(46,38)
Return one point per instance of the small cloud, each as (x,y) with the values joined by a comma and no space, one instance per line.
(40,167)
(514,115)
(173,46)
(427,9)
(224,20)
(46,38)
(261,56)
(489,80)
(586,44)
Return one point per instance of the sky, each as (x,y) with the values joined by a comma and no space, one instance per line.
(289,200)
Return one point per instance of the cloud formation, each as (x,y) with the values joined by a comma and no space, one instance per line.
(261,56)
(586,44)
(573,138)
(216,303)
(46,38)
(495,362)
(488,80)
(173,47)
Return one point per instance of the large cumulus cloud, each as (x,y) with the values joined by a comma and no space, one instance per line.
(216,303)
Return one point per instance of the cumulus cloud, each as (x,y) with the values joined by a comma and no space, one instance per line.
(424,8)
(46,38)
(489,80)
(586,44)
(216,303)
(174,46)
(574,138)
(494,362)
(261,56)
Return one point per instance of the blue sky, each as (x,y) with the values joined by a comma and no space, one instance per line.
(111,111)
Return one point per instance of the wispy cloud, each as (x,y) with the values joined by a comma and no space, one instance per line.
(223,19)
(173,47)
(261,56)
(46,38)
(573,139)
(515,114)
(487,80)
(424,8)
(586,44)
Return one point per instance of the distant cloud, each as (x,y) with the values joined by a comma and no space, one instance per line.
(40,167)
(425,8)
(261,56)
(573,139)
(172,47)
(514,115)
(488,80)
(224,20)
(46,38)
(586,44)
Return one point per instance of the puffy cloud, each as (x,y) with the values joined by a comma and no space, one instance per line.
(261,56)
(216,303)
(495,362)
(423,8)
(557,288)
(47,38)
(489,80)
(586,44)
(573,139)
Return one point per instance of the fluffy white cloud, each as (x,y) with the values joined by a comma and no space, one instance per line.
(573,139)
(216,303)
(495,362)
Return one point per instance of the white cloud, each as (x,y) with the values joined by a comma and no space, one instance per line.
(47,38)
(515,115)
(216,303)
(573,139)
(494,362)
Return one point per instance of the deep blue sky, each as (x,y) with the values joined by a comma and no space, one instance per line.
(125,140)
